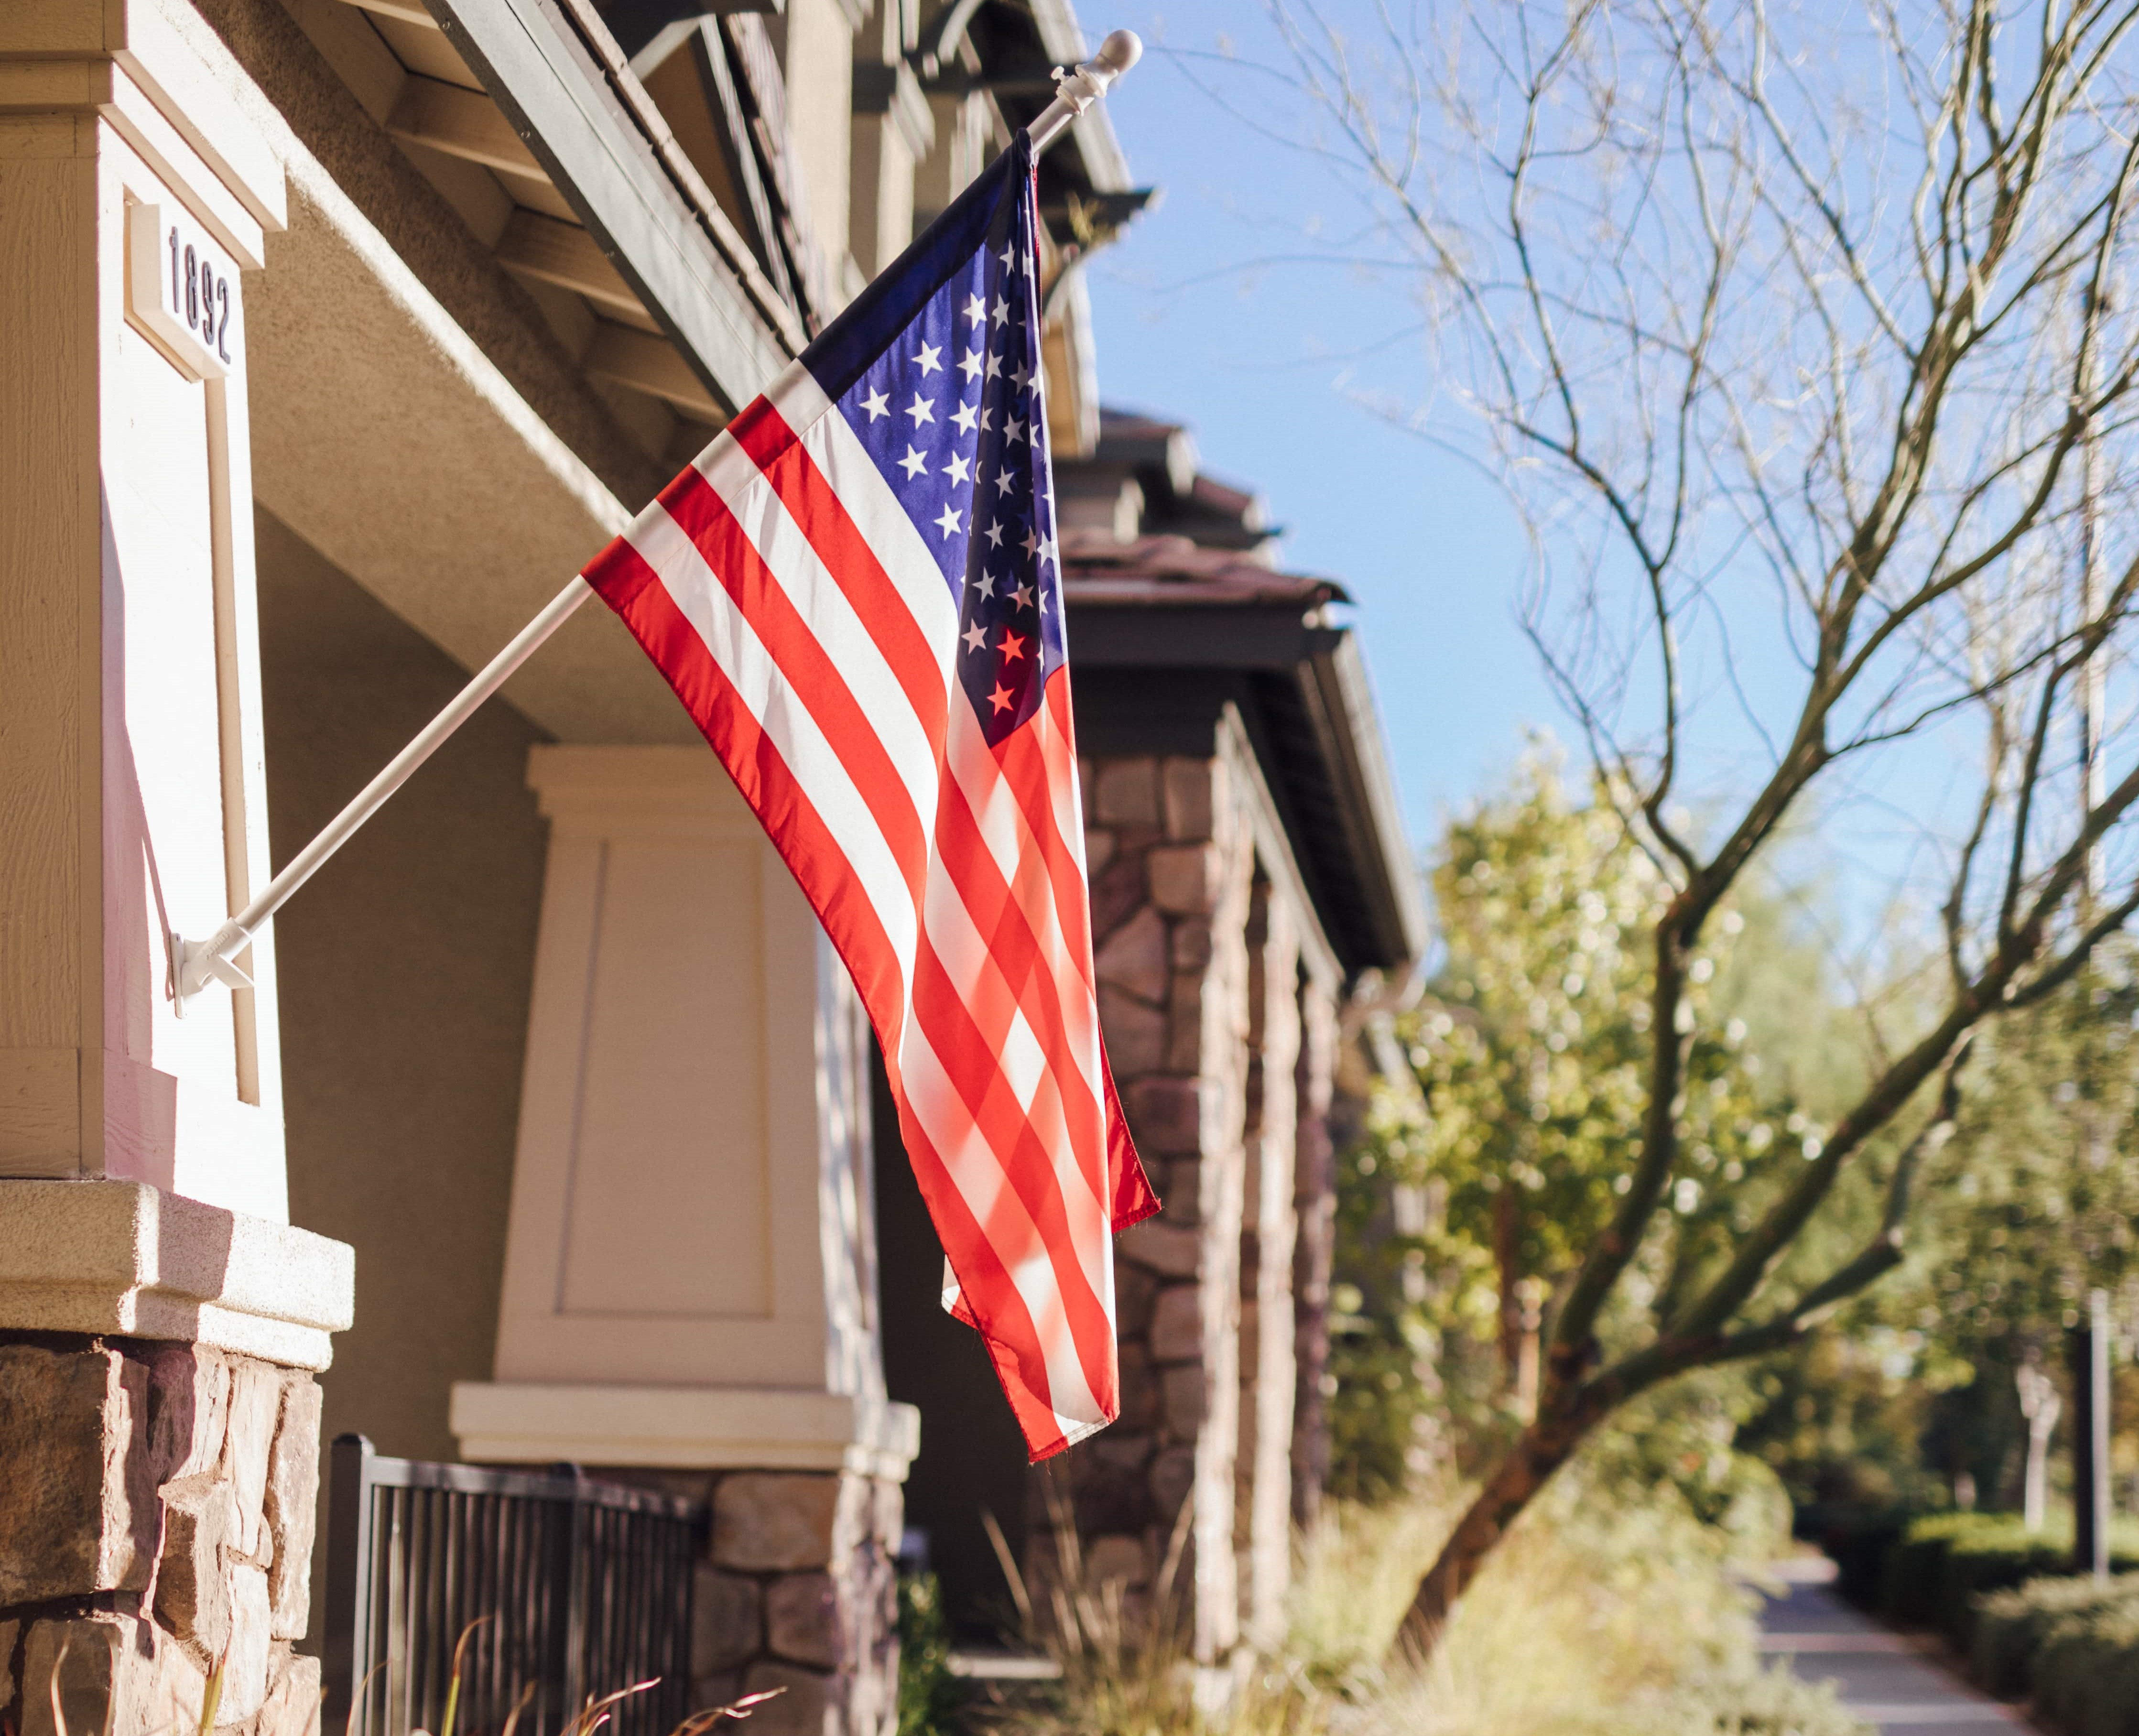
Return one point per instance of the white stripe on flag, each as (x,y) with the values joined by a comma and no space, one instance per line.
(782,714)
(976,1170)
(830,616)
(915,569)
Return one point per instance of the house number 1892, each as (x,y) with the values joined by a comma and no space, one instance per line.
(195,284)
(184,288)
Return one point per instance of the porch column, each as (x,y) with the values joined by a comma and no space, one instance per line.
(1262,1530)
(160,1320)
(1314,1205)
(690,1290)
(1171,851)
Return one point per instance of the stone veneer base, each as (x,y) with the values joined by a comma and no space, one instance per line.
(157,1512)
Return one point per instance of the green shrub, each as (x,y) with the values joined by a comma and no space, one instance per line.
(2011,1626)
(2086,1671)
(1945,1563)
(929,1696)
(1858,1538)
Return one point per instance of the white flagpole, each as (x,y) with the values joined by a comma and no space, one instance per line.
(195,964)
(1077,91)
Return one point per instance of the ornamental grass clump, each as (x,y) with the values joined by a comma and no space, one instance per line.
(1601,1616)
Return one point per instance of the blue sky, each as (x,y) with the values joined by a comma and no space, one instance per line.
(1268,363)
(1262,362)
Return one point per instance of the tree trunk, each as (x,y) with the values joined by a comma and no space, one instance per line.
(1540,1449)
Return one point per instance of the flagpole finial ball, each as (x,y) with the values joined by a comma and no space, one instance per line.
(1122,49)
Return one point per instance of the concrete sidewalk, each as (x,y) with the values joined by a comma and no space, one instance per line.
(1898,1682)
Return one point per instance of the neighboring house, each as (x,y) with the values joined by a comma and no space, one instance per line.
(1248,873)
(341,335)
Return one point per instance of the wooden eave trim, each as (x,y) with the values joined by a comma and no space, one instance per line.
(640,104)
(710,56)
(539,68)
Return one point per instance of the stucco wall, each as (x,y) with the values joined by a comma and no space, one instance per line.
(406,966)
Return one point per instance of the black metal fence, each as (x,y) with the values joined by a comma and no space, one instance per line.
(586,1588)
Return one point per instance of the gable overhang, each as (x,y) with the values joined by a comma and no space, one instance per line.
(1154,677)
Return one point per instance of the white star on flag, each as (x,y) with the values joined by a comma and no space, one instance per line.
(921,409)
(877,405)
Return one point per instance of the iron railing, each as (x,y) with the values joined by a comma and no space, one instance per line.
(582,1587)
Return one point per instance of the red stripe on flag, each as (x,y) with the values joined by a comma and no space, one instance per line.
(967,1058)
(985,1280)
(635,590)
(704,517)
(1019,959)
(815,505)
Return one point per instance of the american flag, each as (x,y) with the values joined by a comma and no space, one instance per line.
(855,592)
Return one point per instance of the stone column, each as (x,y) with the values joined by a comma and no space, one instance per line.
(690,1272)
(1262,1531)
(1314,1198)
(1172,850)
(157,1496)
(160,1321)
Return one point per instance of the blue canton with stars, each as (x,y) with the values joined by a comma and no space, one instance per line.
(946,397)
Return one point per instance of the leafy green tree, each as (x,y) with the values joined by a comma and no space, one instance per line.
(1522,1134)
(2033,1202)
(2029,1206)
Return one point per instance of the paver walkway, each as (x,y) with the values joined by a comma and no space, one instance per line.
(1893,1680)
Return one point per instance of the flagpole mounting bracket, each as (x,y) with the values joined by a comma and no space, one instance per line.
(196,964)
(1077,88)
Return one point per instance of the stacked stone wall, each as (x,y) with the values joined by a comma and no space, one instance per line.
(1314,1200)
(156,1521)
(798,1591)
(1171,852)
(1262,1528)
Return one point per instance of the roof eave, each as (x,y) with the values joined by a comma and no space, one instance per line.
(1322,665)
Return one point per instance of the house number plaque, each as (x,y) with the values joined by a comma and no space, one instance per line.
(183,287)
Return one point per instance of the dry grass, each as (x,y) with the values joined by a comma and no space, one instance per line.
(590,1720)
(1596,1618)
